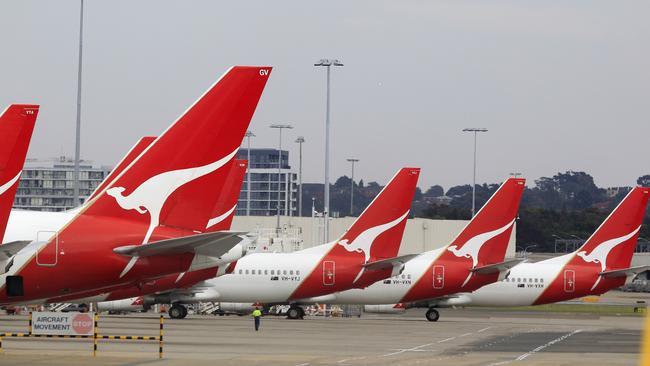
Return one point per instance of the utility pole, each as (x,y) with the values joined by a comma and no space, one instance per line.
(326,205)
(77,147)
(352,160)
(300,140)
(279,127)
(475,130)
(248,135)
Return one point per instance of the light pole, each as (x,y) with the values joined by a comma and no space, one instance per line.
(326,204)
(248,135)
(300,140)
(77,146)
(279,127)
(352,160)
(476,131)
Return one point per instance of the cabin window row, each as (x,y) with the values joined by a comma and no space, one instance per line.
(272,272)
(524,280)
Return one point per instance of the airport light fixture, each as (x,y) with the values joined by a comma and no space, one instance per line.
(280,127)
(326,204)
(300,141)
(352,160)
(248,135)
(77,146)
(475,131)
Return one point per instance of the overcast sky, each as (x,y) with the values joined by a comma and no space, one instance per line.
(561,85)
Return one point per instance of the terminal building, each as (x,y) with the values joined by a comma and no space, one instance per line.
(48,185)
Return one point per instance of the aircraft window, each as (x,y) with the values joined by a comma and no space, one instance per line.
(524,280)
(240,271)
(541,280)
(252,271)
(403,276)
(537,279)
(266,271)
(408,276)
(291,272)
(297,273)
(246,271)
(272,272)
(518,279)
(284,272)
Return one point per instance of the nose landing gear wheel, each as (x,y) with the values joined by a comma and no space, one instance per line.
(432,315)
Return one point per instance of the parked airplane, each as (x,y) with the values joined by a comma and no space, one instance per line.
(16,127)
(601,264)
(364,254)
(473,259)
(150,220)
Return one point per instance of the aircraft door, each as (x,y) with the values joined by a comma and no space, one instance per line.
(569,280)
(438,277)
(49,255)
(329,273)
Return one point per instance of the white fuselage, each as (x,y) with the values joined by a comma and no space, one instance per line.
(35,225)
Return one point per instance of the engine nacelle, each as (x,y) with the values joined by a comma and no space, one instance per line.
(132,304)
(384,309)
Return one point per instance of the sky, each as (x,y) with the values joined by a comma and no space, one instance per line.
(560,85)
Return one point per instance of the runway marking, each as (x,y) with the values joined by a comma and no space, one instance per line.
(540,348)
(303,364)
(351,359)
(414,349)
(483,330)
(464,335)
(446,339)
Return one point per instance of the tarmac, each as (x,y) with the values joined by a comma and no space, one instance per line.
(486,337)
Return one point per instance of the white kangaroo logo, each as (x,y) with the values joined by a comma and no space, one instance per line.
(9,184)
(363,242)
(473,246)
(601,251)
(215,220)
(151,195)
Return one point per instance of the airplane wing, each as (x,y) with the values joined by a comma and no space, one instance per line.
(8,250)
(497,267)
(211,244)
(389,263)
(624,272)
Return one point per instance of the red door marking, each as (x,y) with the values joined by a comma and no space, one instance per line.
(329,273)
(49,255)
(438,277)
(569,280)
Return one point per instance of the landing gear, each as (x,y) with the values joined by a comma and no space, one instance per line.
(177,311)
(432,315)
(295,312)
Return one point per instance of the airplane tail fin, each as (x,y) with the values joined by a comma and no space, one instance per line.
(16,127)
(612,244)
(485,238)
(224,210)
(379,229)
(177,179)
(135,151)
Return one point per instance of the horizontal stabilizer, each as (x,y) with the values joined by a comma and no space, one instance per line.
(496,267)
(210,244)
(631,271)
(388,263)
(8,250)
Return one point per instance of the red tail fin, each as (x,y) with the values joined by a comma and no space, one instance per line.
(175,182)
(16,127)
(135,151)
(612,244)
(491,227)
(378,231)
(224,211)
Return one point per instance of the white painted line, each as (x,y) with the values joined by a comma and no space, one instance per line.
(351,359)
(464,335)
(303,364)
(414,349)
(446,339)
(540,348)
(483,330)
